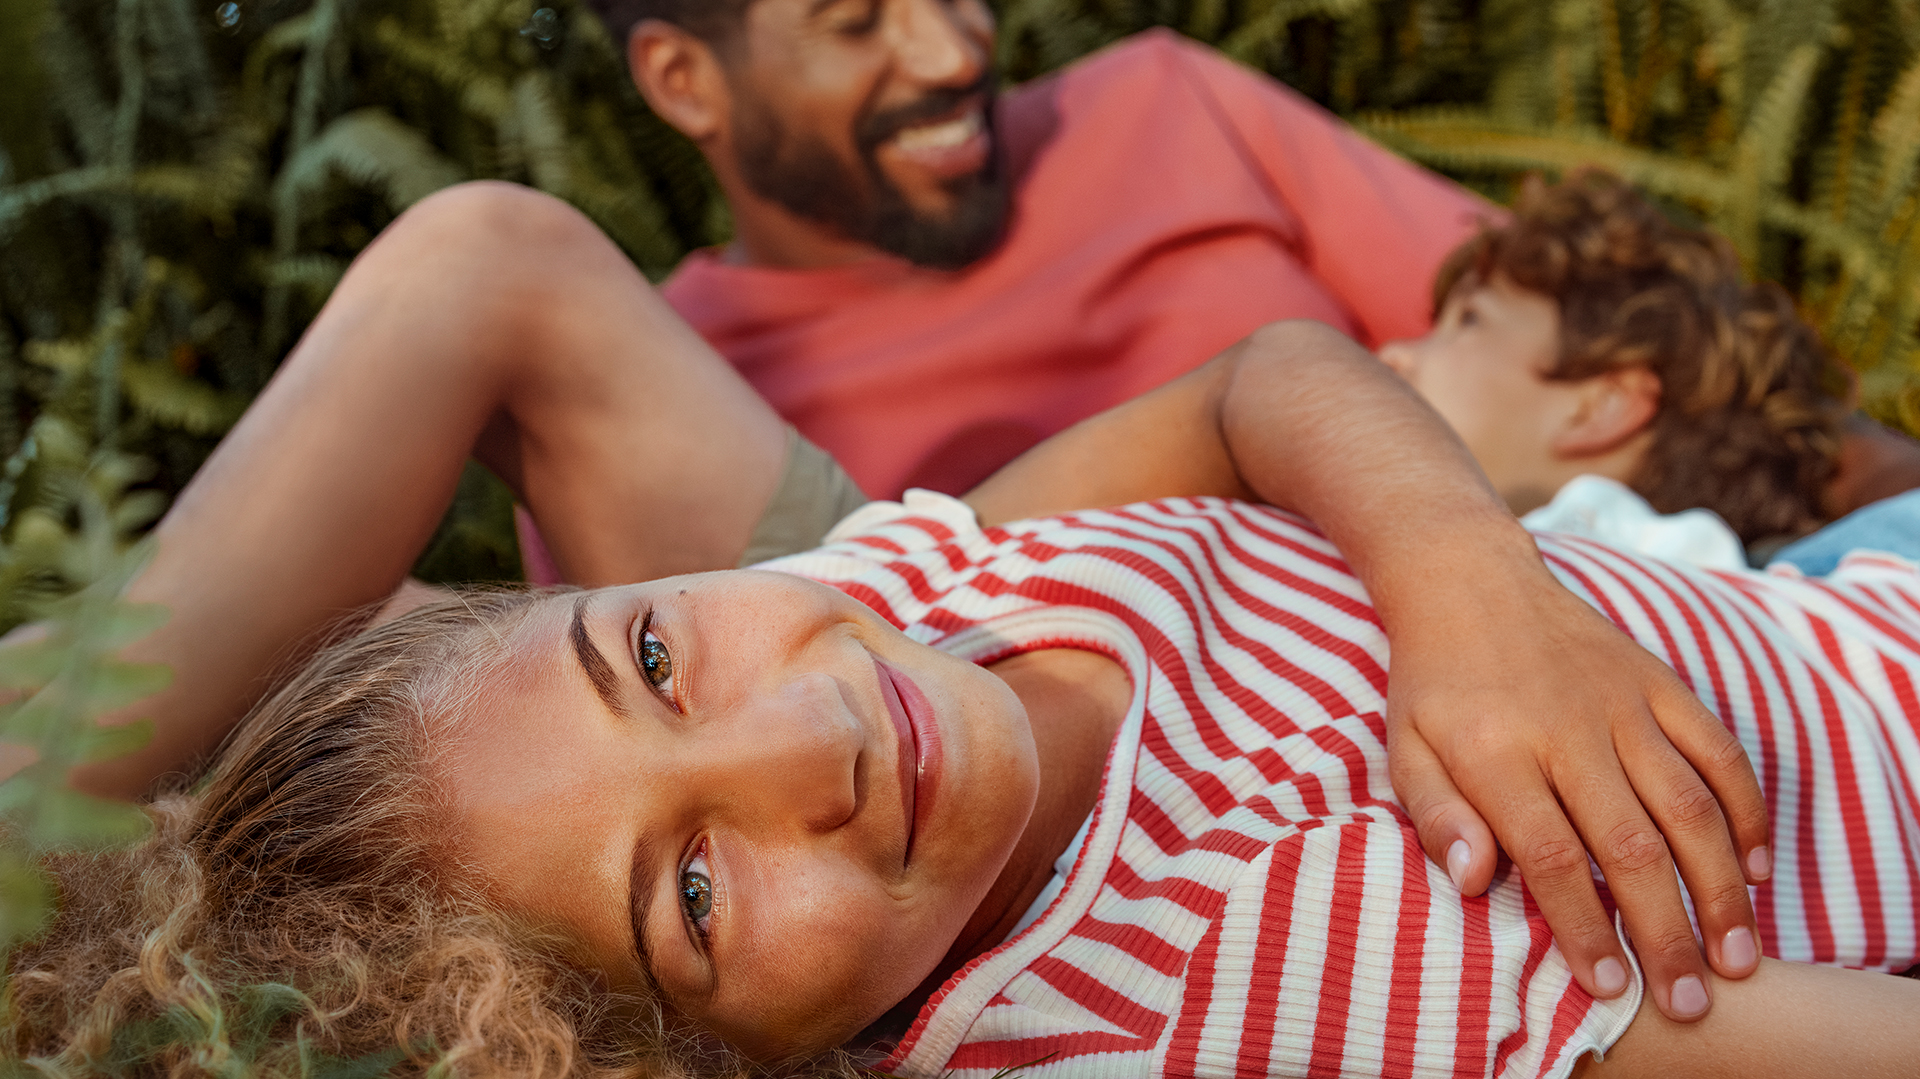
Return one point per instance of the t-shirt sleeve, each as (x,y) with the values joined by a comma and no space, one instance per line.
(1373,226)
(1341,950)
(871,551)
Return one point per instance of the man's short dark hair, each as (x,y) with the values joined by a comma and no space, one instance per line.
(712,21)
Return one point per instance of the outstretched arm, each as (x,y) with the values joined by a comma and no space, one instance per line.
(1511,704)
(489,320)
(1790,1020)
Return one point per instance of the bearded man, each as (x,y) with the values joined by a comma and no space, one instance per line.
(927,277)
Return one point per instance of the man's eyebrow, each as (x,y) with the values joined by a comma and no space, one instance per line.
(599,671)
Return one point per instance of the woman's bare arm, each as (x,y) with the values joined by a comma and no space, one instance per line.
(1509,697)
(1790,1020)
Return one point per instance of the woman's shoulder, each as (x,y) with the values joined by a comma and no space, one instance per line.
(928,553)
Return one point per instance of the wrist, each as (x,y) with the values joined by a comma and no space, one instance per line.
(1470,564)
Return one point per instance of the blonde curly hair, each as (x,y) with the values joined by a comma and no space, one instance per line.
(1750,404)
(297,913)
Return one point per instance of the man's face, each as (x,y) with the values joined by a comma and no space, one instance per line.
(873,117)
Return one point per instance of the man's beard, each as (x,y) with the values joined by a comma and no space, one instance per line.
(804,175)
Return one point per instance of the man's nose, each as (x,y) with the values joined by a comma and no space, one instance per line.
(790,755)
(936,43)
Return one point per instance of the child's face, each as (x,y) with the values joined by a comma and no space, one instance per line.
(1483,368)
(746,788)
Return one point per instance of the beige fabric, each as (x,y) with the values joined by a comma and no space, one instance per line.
(814,493)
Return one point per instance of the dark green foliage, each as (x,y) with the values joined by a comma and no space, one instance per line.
(69,557)
(183,182)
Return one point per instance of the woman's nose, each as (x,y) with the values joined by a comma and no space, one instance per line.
(791,755)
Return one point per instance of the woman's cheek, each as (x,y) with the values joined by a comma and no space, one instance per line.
(820,967)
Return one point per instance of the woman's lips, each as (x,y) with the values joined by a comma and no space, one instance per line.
(919,753)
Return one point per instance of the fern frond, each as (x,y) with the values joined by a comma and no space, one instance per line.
(1896,130)
(77,88)
(541,133)
(316,274)
(68,356)
(19,198)
(164,395)
(179,60)
(1762,155)
(483,96)
(1259,34)
(1473,142)
(1470,141)
(370,147)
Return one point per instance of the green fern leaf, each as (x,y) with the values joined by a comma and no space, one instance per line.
(541,134)
(1259,34)
(158,391)
(370,147)
(1763,153)
(1897,131)
(1472,141)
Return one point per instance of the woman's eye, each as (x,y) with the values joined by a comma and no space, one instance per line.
(656,663)
(696,892)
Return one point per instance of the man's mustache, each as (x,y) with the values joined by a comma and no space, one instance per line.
(878,127)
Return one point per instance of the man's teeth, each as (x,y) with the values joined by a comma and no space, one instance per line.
(940,136)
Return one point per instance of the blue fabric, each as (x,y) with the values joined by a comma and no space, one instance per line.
(1891,524)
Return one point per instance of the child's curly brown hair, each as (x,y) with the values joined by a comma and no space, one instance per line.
(1750,403)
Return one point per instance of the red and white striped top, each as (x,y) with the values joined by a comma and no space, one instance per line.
(1251,901)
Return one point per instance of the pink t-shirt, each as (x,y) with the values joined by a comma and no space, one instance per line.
(1167,202)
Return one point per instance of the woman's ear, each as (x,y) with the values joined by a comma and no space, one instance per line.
(680,76)
(1612,408)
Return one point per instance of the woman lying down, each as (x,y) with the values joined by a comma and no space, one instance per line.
(982,784)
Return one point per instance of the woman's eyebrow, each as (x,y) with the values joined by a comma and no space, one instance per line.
(638,902)
(599,671)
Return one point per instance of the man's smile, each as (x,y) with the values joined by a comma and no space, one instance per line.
(950,147)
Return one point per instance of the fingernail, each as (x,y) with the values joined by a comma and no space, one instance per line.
(1737,950)
(1459,858)
(1609,976)
(1759,863)
(1689,996)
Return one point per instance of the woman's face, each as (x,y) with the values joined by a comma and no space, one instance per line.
(744,788)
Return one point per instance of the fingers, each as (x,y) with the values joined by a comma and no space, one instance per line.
(1552,859)
(1451,833)
(1717,757)
(1689,815)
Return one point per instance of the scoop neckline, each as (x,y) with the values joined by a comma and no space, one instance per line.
(945,1019)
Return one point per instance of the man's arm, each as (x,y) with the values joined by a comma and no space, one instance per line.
(1791,1020)
(1876,462)
(1509,697)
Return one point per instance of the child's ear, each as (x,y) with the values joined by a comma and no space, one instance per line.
(680,77)
(1612,408)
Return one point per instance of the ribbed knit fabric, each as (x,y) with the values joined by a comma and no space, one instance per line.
(1252,901)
